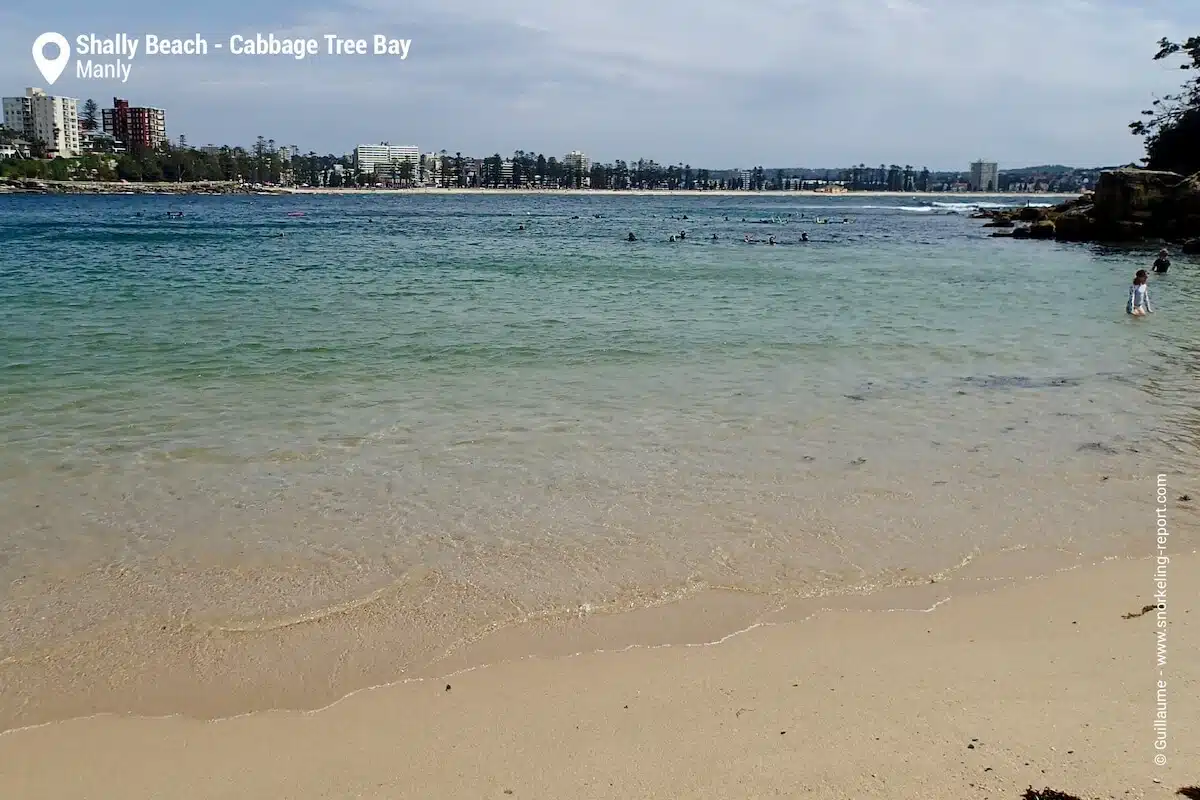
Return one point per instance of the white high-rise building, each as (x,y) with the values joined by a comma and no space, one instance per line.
(577,162)
(985,176)
(41,117)
(370,157)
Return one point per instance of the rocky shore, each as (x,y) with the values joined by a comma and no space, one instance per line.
(31,186)
(1128,206)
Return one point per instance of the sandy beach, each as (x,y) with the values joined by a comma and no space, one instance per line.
(663,527)
(1050,683)
(940,196)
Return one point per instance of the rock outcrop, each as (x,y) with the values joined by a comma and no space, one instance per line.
(1129,205)
(1042,229)
(34,186)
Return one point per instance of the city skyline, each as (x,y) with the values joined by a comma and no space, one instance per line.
(144,127)
(932,82)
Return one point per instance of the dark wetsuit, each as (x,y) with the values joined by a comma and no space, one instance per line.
(1162,264)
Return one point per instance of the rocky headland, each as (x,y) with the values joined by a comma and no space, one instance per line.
(33,186)
(1128,206)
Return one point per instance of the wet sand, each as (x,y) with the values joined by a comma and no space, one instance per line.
(1043,683)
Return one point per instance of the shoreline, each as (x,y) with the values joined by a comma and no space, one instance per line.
(20,186)
(1039,682)
(152,646)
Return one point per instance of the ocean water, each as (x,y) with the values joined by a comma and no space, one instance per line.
(246,442)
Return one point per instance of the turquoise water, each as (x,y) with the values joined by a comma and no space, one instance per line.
(244,415)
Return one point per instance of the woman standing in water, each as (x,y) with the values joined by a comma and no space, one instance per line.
(1139,296)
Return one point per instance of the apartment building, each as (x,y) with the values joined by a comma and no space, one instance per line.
(42,117)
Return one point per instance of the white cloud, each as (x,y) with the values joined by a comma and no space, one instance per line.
(774,82)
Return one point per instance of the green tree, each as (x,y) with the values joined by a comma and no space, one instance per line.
(90,122)
(1171,127)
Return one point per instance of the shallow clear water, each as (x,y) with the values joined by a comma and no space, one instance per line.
(204,419)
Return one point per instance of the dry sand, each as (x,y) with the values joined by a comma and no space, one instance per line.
(1041,683)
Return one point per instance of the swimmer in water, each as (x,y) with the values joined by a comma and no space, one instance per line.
(804,237)
(771,240)
(746,238)
(714,237)
(682,235)
(1163,262)
(521,227)
(1139,296)
(672,238)
(631,237)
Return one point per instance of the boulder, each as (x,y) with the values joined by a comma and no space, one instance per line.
(1075,225)
(1184,209)
(1079,202)
(999,222)
(1129,194)
(1128,205)
(1042,229)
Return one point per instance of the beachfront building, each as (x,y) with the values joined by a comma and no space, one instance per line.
(135,127)
(430,171)
(577,162)
(15,149)
(369,158)
(985,176)
(38,116)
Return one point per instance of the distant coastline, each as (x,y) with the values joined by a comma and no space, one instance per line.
(18,186)
(675,192)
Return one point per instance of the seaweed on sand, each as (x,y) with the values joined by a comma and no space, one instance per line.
(1047,794)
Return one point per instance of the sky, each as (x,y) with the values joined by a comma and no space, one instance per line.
(710,83)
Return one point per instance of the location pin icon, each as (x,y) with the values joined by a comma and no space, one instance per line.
(51,68)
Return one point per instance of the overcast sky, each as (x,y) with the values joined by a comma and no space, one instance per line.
(712,83)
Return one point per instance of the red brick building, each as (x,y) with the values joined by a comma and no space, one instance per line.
(135,127)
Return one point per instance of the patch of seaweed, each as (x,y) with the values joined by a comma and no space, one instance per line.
(1047,794)
(1135,614)
(1019,382)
